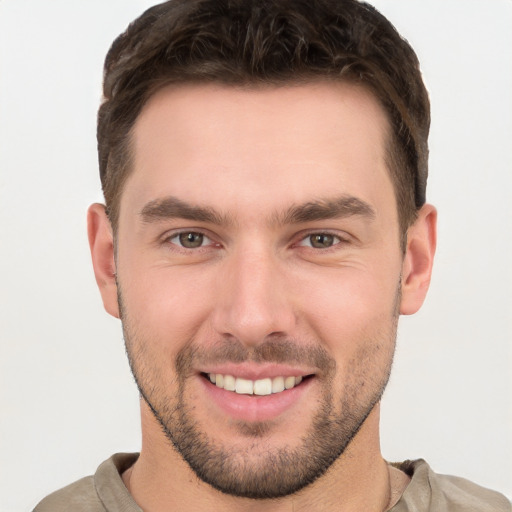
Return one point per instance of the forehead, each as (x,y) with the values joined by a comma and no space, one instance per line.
(259,146)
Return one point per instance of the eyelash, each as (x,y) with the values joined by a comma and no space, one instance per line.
(168,240)
(337,240)
(304,237)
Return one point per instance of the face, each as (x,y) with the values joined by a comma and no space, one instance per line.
(259,276)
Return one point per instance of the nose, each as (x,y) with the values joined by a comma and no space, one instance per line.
(254,300)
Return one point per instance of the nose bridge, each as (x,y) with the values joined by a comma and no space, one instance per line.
(253,302)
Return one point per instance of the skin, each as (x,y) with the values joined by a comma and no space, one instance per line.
(253,157)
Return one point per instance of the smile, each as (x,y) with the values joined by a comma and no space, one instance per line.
(259,387)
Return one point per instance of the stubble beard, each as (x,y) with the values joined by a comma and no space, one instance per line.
(257,470)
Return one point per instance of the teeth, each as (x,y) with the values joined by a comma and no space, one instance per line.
(278,385)
(229,383)
(263,387)
(259,387)
(289,382)
(244,386)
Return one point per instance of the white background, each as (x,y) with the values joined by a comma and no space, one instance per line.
(67,400)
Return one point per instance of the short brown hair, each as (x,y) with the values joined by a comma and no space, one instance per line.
(266,42)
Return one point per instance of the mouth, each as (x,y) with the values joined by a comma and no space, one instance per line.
(256,393)
(259,387)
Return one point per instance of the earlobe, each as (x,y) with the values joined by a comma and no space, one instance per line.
(418,260)
(101,243)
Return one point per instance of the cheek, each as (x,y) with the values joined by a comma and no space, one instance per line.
(168,304)
(351,309)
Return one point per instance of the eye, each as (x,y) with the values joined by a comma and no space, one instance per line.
(190,240)
(320,240)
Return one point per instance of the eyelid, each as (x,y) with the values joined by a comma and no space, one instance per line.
(341,238)
(205,240)
(174,233)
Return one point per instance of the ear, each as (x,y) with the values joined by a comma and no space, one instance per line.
(101,242)
(418,260)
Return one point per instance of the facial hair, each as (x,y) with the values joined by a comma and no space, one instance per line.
(256,470)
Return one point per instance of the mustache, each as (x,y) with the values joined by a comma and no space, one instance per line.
(276,349)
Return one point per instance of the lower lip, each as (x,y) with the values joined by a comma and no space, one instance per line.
(252,408)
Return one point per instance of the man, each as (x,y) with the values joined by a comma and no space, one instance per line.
(264,168)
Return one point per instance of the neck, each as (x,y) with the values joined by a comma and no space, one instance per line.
(161,480)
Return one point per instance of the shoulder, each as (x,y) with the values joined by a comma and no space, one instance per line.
(79,496)
(102,492)
(429,491)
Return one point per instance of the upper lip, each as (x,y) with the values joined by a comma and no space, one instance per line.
(252,371)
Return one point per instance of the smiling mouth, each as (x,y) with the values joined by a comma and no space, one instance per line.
(260,387)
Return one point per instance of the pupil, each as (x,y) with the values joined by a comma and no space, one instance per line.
(322,241)
(191,240)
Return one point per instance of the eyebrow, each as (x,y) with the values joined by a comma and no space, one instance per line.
(324,209)
(339,207)
(173,208)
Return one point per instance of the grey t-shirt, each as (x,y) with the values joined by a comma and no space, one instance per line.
(427,492)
